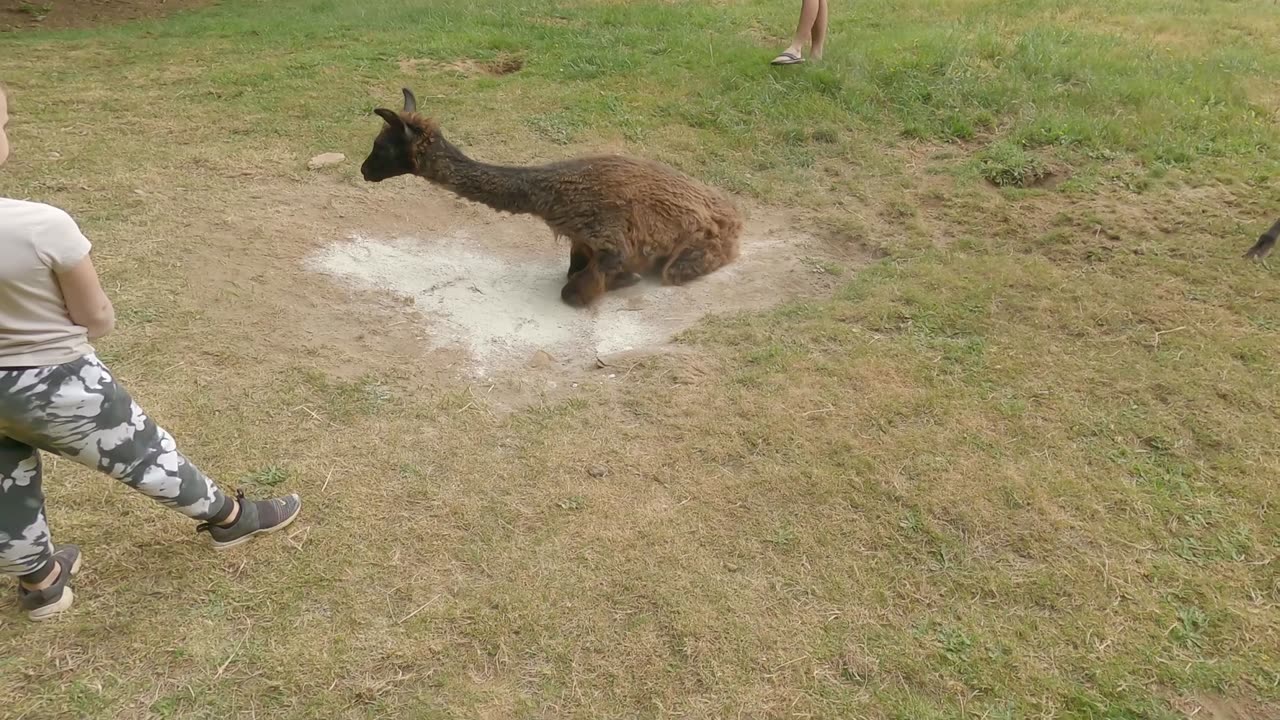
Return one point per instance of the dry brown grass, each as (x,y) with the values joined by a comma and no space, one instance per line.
(1022,465)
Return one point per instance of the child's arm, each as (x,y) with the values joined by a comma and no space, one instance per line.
(87,304)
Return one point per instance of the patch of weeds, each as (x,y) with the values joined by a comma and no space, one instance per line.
(1232,546)
(825,266)
(137,315)
(782,536)
(86,700)
(1005,164)
(170,705)
(1131,179)
(39,11)
(365,396)
(955,644)
(913,523)
(559,128)
(1236,544)
(772,355)
(267,477)
(410,470)
(1085,703)
(1012,407)
(900,208)
(552,415)
(572,503)
(1189,631)
(825,135)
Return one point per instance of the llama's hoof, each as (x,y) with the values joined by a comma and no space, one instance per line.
(573,297)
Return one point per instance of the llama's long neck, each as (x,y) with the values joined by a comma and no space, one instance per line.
(505,188)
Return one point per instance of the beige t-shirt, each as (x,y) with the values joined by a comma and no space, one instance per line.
(35,327)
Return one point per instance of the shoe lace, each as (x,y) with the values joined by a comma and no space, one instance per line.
(208,526)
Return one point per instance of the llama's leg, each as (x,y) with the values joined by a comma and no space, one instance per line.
(691,263)
(615,269)
(579,256)
(618,281)
(606,267)
(585,287)
(1265,242)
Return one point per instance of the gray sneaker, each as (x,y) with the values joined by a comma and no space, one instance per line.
(257,517)
(57,598)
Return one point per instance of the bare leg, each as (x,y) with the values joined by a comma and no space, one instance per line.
(805,30)
(818,38)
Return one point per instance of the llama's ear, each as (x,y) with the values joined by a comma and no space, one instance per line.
(392,119)
(410,102)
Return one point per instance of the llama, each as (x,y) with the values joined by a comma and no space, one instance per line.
(623,216)
(1265,243)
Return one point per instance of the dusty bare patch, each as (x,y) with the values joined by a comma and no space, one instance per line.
(1210,707)
(366,279)
(504,64)
(488,288)
(1265,93)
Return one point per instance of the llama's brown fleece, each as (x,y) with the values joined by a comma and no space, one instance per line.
(1265,243)
(622,215)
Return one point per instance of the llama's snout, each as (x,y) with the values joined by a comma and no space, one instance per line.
(370,174)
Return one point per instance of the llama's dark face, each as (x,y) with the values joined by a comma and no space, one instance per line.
(392,152)
(394,148)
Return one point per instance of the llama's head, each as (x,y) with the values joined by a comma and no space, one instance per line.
(406,140)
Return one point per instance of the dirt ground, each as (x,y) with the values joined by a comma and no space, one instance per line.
(489,287)
(402,275)
(32,14)
(1208,707)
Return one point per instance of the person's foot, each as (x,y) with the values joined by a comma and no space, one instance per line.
(55,598)
(815,52)
(788,57)
(255,517)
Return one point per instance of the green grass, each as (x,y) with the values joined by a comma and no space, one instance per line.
(1007,165)
(1020,465)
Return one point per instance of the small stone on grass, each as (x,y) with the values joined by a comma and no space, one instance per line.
(325,160)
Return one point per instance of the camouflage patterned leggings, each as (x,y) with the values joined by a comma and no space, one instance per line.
(77,411)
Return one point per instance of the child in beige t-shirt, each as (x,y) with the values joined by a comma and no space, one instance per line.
(57,396)
(38,242)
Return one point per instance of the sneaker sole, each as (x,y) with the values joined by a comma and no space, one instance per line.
(265,531)
(49,612)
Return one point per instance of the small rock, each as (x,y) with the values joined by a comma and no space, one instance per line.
(541,359)
(325,160)
(597,471)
